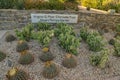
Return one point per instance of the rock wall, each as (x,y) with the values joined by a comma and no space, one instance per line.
(11,19)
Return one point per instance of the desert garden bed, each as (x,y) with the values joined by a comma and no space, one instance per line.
(41,52)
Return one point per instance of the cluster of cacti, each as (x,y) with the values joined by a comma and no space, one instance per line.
(43,26)
(100,59)
(43,37)
(84,31)
(17,74)
(117,48)
(46,55)
(69,42)
(63,28)
(95,41)
(26,58)
(2,56)
(50,70)
(67,38)
(10,38)
(69,61)
(26,32)
(21,46)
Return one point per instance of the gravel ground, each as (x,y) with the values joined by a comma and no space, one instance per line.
(83,71)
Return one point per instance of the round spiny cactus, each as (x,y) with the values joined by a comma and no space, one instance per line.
(15,74)
(112,41)
(47,56)
(21,46)
(2,56)
(69,61)
(10,38)
(26,59)
(50,70)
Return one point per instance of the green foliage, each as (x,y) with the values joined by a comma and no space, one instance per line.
(117,48)
(25,33)
(100,59)
(95,59)
(104,58)
(22,46)
(63,28)
(69,42)
(50,70)
(19,75)
(118,28)
(10,38)
(110,4)
(84,31)
(43,37)
(69,61)
(20,4)
(67,38)
(89,3)
(2,56)
(26,59)
(95,41)
(6,4)
(43,26)
(48,56)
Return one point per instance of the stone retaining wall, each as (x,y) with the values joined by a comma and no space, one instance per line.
(10,19)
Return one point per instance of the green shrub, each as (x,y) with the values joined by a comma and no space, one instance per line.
(100,59)
(25,33)
(69,42)
(43,37)
(89,3)
(117,48)
(84,31)
(110,4)
(43,26)
(63,28)
(95,41)
(6,4)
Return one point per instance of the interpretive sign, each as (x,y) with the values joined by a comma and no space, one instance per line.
(54,18)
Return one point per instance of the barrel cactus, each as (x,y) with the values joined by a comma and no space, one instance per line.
(10,38)
(2,56)
(112,41)
(17,74)
(21,46)
(26,59)
(69,61)
(50,70)
(46,56)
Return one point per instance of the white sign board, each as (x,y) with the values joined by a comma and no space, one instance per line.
(54,18)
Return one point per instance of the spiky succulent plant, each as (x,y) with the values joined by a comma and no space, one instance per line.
(69,61)
(46,56)
(21,46)
(2,56)
(112,41)
(50,70)
(16,74)
(10,38)
(26,58)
